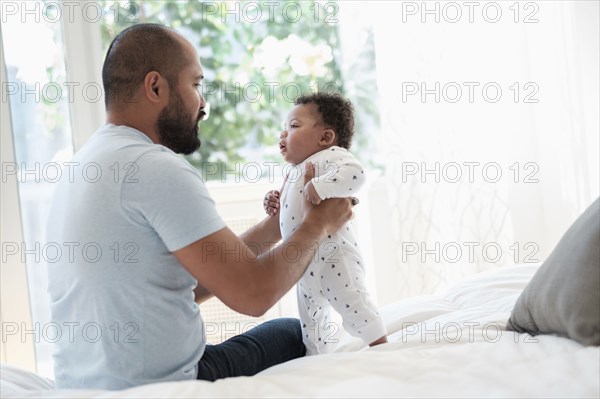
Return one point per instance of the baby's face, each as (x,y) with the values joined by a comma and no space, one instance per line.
(302,135)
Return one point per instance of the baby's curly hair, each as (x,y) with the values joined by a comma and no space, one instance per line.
(336,112)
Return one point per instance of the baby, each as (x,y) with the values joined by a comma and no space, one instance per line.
(317,134)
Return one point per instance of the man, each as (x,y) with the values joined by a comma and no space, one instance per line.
(145,240)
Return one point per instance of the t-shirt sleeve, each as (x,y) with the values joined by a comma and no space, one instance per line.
(163,192)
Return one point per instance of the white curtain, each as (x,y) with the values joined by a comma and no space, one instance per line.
(528,110)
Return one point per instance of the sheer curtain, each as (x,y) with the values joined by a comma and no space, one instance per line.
(489,135)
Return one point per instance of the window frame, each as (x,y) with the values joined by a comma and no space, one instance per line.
(15,305)
(83,61)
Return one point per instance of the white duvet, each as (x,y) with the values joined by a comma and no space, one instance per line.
(449,345)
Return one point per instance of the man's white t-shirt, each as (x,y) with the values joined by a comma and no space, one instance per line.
(122,302)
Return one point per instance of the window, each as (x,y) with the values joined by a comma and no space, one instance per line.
(39,106)
(256,61)
(257,58)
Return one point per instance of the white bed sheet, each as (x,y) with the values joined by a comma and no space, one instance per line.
(448,345)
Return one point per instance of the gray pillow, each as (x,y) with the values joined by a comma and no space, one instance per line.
(563,297)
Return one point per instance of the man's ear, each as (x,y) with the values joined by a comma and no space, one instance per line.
(328,137)
(155,87)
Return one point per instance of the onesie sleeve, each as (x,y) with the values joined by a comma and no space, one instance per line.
(341,175)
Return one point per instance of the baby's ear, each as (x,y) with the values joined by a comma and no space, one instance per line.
(328,137)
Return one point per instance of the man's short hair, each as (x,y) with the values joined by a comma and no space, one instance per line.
(336,112)
(135,52)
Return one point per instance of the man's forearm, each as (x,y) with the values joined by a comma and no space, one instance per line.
(264,234)
(288,262)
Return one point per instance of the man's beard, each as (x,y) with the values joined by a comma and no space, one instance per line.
(175,130)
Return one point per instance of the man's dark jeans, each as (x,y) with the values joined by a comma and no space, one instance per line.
(273,342)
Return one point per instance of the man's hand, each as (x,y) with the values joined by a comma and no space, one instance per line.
(271,202)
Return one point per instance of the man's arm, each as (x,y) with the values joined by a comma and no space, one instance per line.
(267,232)
(264,235)
(261,238)
(251,283)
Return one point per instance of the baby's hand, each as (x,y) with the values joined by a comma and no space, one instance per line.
(310,193)
(271,202)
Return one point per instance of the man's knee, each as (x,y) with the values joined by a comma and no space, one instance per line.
(289,326)
(294,332)
(289,331)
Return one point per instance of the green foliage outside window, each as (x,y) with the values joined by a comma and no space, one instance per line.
(254,68)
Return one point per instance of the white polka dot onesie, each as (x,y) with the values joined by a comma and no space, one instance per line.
(336,277)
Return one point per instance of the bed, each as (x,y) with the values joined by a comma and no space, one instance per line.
(453,344)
